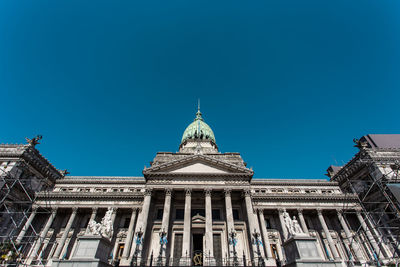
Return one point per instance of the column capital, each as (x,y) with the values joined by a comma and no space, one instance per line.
(75,209)
(319,211)
(339,211)
(168,191)
(281,210)
(207,192)
(94,209)
(260,210)
(358,212)
(300,211)
(188,191)
(148,191)
(227,192)
(247,192)
(54,210)
(35,208)
(114,211)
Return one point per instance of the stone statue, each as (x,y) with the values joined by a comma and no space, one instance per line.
(105,228)
(292,225)
(34,141)
(288,222)
(296,227)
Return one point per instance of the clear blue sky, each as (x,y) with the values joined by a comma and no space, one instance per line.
(288,84)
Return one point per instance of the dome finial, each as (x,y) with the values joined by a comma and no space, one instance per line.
(198,114)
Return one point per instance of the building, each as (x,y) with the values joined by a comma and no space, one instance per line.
(373,175)
(198,206)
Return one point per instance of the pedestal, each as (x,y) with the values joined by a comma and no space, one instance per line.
(91,251)
(301,251)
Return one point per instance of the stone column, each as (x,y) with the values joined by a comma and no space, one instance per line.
(187,228)
(65,234)
(283,225)
(135,247)
(42,236)
(302,221)
(209,229)
(129,235)
(141,225)
(328,235)
(26,226)
(369,235)
(230,224)
(113,216)
(349,237)
(264,232)
(166,219)
(252,223)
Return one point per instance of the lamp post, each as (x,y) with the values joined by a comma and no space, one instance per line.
(257,242)
(233,242)
(163,240)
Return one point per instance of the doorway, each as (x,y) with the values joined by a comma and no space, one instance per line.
(197,250)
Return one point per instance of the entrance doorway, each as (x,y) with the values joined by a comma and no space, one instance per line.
(197,250)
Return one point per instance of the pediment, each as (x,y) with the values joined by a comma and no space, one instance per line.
(198,167)
(198,218)
(198,164)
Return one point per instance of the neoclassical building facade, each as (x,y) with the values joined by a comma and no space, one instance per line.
(197,206)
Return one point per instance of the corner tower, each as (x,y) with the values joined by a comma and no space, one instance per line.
(198,138)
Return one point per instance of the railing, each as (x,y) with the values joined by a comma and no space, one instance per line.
(203,261)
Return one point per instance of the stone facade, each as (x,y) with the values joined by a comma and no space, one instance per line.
(198,207)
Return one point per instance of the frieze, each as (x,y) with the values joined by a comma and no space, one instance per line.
(349,197)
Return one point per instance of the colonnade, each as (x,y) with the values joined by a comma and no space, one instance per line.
(256,227)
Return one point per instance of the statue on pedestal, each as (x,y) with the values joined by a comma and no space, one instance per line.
(292,225)
(104,228)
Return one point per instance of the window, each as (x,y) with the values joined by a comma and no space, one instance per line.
(268,223)
(216,214)
(235,214)
(179,214)
(126,222)
(159,214)
(177,248)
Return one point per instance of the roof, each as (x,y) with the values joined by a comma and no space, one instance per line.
(382,140)
(198,129)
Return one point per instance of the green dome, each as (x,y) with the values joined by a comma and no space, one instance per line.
(198,130)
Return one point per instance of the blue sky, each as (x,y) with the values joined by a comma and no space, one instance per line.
(288,84)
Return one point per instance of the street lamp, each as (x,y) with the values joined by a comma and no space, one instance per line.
(257,242)
(233,242)
(139,235)
(163,240)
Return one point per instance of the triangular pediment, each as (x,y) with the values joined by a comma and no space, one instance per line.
(198,167)
(198,164)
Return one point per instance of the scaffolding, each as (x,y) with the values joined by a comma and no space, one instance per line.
(380,209)
(18,191)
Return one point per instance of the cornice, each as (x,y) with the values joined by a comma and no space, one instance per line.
(292,182)
(89,195)
(101,180)
(195,175)
(302,197)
